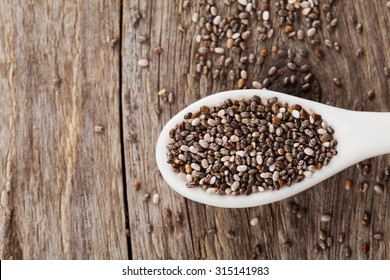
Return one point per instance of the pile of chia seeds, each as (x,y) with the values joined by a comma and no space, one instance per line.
(249,145)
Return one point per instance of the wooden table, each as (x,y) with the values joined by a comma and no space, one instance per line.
(79,120)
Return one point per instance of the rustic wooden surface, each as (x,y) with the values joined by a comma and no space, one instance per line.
(68,191)
(61,182)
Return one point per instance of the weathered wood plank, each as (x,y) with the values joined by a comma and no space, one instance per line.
(60,181)
(170,236)
(213,233)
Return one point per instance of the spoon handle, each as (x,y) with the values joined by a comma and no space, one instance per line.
(368,136)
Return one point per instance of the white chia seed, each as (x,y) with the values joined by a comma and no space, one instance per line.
(195,166)
(265,175)
(234,138)
(235,186)
(309,151)
(143,62)
(203,143)
(195,122)
(311,32)
(254,221)
(156,198)
(242,2)
(275,176)
(242,168)
(296,114)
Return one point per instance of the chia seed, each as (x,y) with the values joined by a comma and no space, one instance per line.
(378,236)
(326,218)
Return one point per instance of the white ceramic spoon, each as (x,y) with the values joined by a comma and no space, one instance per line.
(360,135)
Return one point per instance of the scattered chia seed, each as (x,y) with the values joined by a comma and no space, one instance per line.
(247,146)
(337,81)
(146,197)
(378,236)
(143,62)
(363,187)
(158,50)
(178,217)
(161,92)
(341,237)
(359,27)
(156,198)
(365,222)
(230,234)
(287,244)
(322,244)
(171,97)
(326,218)
(347,251)
(114,42)
(301,213)
(57,81)
(168,225)
(257,85)
(319,53)
(322,235)
(378,188)
(149,227)
(329,241)
(359,52)
(137,186)
(386,71)
(254,221)
(365,247)
(290,206)
(387,171)
(371,94)
(258,249)
(98,129)
(232,34)
(157,109)
(167,212)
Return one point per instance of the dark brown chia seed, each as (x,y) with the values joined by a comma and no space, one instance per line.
(290,205)
(322,244)
(341,237)
(137,186)
(167,212)
(245,146)
(329,241)
(287,245)
(149,227)
(365,247)
(322,235)
(230,234)
(259,249)
(347,251)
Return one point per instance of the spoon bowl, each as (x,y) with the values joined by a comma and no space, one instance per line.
(360,135)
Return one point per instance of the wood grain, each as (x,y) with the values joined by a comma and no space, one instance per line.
(79,121)
(61,182)
(215,233)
